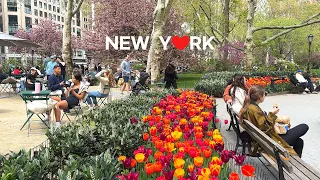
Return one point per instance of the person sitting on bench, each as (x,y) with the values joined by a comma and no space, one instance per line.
(107,80)
(227,95)
(75,93)
(238,93)
(253,113)
(304,82)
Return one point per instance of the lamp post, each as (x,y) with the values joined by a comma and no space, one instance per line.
(310,39)
(32,53)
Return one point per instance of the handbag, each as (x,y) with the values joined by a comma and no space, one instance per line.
(282,124)
(120,82)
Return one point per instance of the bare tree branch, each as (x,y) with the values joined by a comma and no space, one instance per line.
(77,8)
(286,27)
(304,23)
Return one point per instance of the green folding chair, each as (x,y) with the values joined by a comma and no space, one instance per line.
(102,99)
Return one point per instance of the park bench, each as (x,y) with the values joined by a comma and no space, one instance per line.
(297,86)
(288,167)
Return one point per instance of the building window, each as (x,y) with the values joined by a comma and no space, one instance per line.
(49,7)
(58,10)
(36,21)
(40,12)
(13,23)
(40,4)
(73,30)
(12,5)
(45,14)
(35,3)
(62,19)
(27,6)
(36,12)
(54,9)
(59,18)
(79,53)
(50,16)
(0,6)
(45,5)
(73,22)
(54,17)
(78,18)
(28,23)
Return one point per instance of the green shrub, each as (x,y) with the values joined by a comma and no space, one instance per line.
(86,149)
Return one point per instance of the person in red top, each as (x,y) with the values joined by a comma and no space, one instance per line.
(16,71)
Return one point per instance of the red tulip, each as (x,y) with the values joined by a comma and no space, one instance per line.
(247,170)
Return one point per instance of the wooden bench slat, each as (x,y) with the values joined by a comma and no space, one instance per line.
(267,148)
(304,168)
(266,138)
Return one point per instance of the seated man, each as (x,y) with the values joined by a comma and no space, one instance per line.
(31,79)
(304,82)
(55,81)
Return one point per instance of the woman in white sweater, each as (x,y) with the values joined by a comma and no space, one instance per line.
(106,83)
(238,92)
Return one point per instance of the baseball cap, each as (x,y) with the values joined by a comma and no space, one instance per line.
(299,70)
(56,66)
(33,68)
(52,57)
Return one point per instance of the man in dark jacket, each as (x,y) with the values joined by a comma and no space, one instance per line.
(55,81)
(170,77)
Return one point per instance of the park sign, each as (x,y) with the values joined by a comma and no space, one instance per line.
(194,42)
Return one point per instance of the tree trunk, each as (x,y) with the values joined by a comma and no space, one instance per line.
(249,45)
(67,49)
(160,18)
(226,14)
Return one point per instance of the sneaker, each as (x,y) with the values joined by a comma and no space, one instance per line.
(314,92)
(307,90)
(58,124)
(304,93)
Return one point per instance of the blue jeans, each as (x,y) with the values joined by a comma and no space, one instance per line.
(94,95)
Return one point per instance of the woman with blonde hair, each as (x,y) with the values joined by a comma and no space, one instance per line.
(106,82)
(253,113)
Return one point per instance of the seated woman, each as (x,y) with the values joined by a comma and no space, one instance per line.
(75,93)
(238,92)
(106,81)
(31,79)
(253,113)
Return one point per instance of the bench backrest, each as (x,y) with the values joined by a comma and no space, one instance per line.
(261,136)
(293,79)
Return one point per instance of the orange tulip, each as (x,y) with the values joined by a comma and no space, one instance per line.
(166,121)
(216,160)
(234,176)
(215,169)
(205,172)
(207,153)
(169,147)
(247,170)
(145,136)
(153,131)
(212,144)
(157,167)
(179,173)
(157,155)
(149,168)
(139,157)
(209,133)
(190,168)
(183,121)
(198,161)
(178,163)
(158,144)
(198,135)
(122,158)
(181,150)
(133,163)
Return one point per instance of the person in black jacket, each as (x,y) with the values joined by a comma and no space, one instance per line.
(170,77)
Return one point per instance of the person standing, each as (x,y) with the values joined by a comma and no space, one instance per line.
(170,77)
(62,65)
(99,67)
(126,70)
(50,65)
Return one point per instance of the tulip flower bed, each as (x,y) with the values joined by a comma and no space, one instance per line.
(181,143)
(215,83)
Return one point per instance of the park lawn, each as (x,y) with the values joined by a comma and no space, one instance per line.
(188,80)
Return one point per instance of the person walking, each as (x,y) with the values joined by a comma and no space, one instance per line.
(50,65)
(126,70)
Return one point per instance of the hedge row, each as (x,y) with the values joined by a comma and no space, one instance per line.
(86,149)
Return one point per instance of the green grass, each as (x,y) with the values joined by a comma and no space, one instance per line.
(187,80)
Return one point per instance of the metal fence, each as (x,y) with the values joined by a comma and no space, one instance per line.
(35,150)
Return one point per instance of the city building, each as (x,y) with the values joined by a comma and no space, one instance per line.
(24,14)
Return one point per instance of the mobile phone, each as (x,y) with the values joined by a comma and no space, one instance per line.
(66,85)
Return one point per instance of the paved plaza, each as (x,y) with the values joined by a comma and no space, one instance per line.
(301,109)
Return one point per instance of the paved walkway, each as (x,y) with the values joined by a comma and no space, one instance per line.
(12,117)
(301,109)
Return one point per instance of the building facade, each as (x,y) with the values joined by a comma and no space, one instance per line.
(15,14)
